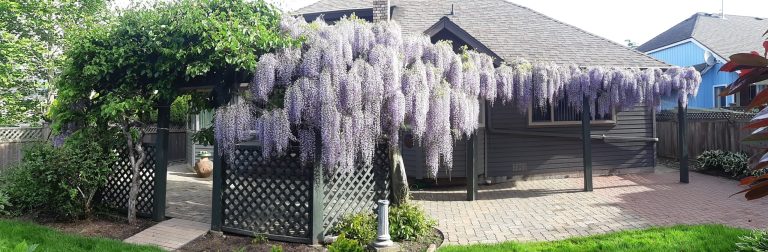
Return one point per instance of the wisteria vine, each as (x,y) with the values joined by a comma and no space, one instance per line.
(355,83)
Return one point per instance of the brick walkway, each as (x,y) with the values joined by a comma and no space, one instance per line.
(171,234)
(557,209)
(188,197)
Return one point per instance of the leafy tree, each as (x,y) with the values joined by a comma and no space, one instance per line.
(118,70)
(31,41)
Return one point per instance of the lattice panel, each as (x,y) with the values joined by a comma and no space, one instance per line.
(20,134)
(271,196)
(115,193)
(707,115)
(353,192)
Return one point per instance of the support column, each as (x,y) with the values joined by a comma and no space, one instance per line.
(682,144)
(217,212)
(161,160)
(317,194)
(586,139)
(470,168)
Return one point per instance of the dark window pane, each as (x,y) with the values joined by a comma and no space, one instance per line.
(539,114)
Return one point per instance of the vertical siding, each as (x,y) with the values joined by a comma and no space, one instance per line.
(522,155)
(415,168)
(689,54)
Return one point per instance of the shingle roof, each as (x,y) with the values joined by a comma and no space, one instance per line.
(724,37)
(507,29)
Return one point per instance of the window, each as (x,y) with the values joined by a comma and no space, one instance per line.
(563,114)
(720,101)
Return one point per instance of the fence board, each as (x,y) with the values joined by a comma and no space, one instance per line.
(13,141)
(713,131)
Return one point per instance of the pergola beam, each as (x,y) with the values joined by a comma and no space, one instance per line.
(161,159)
(682,144)
(470,168)
(586,139)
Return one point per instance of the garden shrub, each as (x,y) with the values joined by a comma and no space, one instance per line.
(359,227)
(757,241)
(344,244)
(408,222)
(734,164)
(59,182)
(5,203)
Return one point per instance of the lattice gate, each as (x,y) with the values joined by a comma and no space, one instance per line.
(275,196)
(115,194)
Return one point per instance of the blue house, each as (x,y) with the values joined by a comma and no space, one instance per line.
(705,41)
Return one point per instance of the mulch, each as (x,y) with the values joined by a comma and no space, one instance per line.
(102,225)
(211,242)
(228,242)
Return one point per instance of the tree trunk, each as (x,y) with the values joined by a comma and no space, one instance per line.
(136,157)
(400,190)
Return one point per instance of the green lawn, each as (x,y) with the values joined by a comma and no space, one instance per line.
(676,238)
(14,232)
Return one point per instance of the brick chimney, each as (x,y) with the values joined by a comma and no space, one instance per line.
(380,10)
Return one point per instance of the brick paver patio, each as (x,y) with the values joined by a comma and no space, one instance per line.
(188,197)
(557,209)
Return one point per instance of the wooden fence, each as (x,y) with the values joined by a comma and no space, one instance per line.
(14,140)
(710,130)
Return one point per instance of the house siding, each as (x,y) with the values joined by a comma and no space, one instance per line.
(689,54)
(526,155)
(521,156)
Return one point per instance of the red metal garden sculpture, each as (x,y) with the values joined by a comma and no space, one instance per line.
(753,68)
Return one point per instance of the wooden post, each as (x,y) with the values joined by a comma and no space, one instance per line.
(470,168)
(317,194)
(161,160)
(217,212)
(586,139)
(682,144)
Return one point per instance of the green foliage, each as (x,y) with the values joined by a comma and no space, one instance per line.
(409,222)
(406,222)
(180,109)
(757,241)
(733,163)
(259,239)
(14,232)
(204,136)
(359,227)
(62,181)
(32,36)
(276,248)
(5,203)
(344,244)
(19,247)
(675,238)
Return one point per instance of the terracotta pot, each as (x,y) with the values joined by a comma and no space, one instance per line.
(204,167)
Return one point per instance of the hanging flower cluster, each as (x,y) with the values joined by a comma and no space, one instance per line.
(353,83)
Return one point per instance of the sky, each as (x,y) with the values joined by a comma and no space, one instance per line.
(617,20)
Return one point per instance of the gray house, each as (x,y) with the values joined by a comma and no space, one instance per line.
(512,145)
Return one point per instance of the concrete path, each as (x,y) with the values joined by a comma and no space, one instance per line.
(556,209)
(188,197)
(170,234)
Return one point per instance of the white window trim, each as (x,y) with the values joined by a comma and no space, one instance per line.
(716,96)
